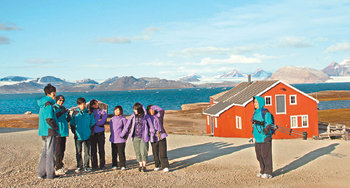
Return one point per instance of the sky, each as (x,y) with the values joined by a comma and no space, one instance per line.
(80,39)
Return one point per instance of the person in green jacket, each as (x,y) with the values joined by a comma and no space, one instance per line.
(63,117)
(262,122)
(82,123)
(48,130)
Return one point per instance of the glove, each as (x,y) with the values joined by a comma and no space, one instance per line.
(251,140)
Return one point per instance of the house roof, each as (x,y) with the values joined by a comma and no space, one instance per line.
(242,94)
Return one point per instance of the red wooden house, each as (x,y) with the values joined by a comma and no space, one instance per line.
(230,113)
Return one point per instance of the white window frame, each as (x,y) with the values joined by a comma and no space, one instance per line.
(238,122)
(291,122)
(270,101)
(302,121)
(208,120)
(285,104)
(290,99)
(216,122)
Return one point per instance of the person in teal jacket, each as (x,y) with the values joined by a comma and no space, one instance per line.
(82,123)
(262,123)
(48,130)
(63,117)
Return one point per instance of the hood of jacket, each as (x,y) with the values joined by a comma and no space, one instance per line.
(261,102)
(44,100)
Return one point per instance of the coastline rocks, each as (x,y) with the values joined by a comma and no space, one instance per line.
(28,112)
(195,106)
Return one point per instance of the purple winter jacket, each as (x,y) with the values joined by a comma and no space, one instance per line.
(117,125)
(100,118)
(157,121)
(147,127)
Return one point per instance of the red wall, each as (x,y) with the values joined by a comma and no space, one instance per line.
(305,106)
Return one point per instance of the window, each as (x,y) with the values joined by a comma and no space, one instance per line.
(293,99)
(216,122)
(238,122)
(280,104)
(293,121)
(268,101)
(208,120)
(304,121)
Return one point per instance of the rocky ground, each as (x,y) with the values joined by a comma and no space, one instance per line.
(196,161)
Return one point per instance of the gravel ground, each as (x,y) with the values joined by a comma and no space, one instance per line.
(196,161)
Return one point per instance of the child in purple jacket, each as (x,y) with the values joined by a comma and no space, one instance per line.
(98,135)
(158,138)
(117,123)
(138,127)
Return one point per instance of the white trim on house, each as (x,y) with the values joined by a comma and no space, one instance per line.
(299,91)
(216,122)
(270,100)
(238,122)
(291,122)
(208,120)
(290,100)
(285,104)
(302,121)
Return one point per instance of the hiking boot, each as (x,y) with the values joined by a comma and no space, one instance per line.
(259,175)
(166,170)
(140,168)
(266,176)
(77,170)
(156,169)
(143,169)
(60,172)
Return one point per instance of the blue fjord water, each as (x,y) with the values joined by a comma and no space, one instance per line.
(169,99)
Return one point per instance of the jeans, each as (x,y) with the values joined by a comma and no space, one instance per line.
(87,152)
(264,155)
(46,167)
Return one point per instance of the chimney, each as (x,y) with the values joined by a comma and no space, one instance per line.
(249,78)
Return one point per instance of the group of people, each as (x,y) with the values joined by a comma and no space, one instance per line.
(87,125)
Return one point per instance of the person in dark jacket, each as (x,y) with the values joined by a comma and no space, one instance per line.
(82,123)
(98,135)
(138,127)
(117,123)
(158,138)
(63,117)
(262,121)
(48,130)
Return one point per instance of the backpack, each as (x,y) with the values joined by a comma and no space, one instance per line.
(264,111)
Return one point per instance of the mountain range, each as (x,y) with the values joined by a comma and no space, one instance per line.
(290,74)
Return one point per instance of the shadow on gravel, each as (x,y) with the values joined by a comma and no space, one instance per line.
(305,159)
(202,152)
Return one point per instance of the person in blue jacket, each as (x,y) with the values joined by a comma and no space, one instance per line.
(262,122)
(48,130)
(63,117)
(82,123)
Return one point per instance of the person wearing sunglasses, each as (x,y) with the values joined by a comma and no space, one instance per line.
(63,117)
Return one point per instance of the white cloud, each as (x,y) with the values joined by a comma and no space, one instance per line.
(146,35)
(233,59)
(294,42)
(210,50)
(4,40)
(343,46)
(8,27)
(39,61)
(114,40)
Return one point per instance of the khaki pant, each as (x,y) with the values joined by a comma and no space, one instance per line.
(140,148)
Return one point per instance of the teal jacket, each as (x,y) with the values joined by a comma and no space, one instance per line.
(63,118)
(82,123)
(47,120)
(258,133)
